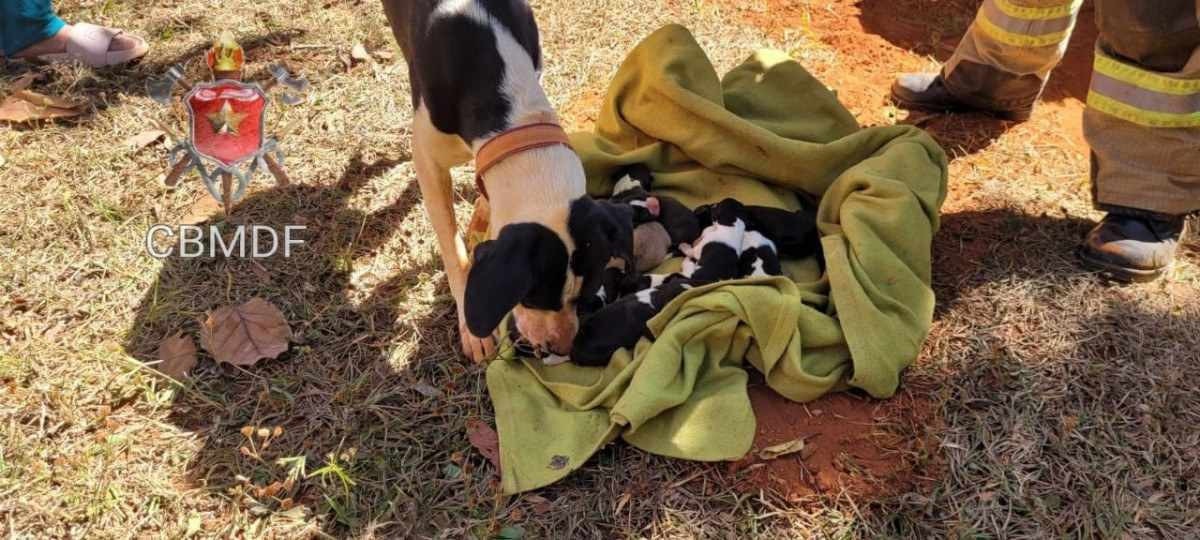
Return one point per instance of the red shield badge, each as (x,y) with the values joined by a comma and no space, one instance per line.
(225,119)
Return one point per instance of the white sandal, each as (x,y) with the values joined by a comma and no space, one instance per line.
(89,43)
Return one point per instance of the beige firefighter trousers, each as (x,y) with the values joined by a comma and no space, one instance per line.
(1143,116)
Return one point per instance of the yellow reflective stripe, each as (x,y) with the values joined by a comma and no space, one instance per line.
(1148,80)
(1142,117)
(1037,13)
(1019,40)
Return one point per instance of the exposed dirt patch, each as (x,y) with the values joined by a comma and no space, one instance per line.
(875,39)
(581,112)
(866,448)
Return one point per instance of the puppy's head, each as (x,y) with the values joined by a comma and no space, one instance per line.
(632,177)
(538,271)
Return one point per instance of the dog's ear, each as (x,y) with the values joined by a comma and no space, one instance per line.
(499,278)
(525,264)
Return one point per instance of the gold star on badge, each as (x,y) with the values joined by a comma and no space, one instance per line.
(225,121)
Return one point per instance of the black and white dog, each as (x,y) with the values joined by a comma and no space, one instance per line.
(475,68)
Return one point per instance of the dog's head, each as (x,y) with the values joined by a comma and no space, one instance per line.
(539,271)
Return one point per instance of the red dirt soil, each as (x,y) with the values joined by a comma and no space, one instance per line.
(876,39)
(867,448)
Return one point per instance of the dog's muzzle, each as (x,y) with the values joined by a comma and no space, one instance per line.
(550,332)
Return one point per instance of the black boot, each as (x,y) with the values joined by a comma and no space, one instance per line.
(928,92)
(1132,249)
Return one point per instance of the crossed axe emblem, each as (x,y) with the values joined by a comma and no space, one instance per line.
(194,153)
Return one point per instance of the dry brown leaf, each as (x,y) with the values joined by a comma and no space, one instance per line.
(49,101)
(385,54)
(203,209)
(780,450)
(243,335)
(19,111)
(270,490)
(177,356)
(24,82)
(144,139)
(541,505)
(485,440)
(427,390)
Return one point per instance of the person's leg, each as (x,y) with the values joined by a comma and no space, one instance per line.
(26,22)
(1002,63)
(31,29)
(1143,125)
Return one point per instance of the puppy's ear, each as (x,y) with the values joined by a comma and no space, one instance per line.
(637,171)
(500,277)
(704,216)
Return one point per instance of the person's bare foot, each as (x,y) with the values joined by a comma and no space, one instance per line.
(58,44)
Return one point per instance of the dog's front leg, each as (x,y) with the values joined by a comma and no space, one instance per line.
(434,153)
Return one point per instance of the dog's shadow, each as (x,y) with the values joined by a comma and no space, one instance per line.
(370,390)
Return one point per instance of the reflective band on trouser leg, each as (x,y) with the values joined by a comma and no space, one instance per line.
(1009,51)
(1143,97)
(1027,26)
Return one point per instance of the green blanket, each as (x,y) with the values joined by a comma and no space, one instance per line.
(766,132)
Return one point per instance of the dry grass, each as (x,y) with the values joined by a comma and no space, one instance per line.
(1069,405)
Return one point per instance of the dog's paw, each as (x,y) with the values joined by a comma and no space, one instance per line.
(476,349)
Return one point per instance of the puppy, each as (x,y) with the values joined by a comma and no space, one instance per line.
(475,68)
(632,186)
(716,255)
(758,258)
(794,234)
(622,323)
(651,245)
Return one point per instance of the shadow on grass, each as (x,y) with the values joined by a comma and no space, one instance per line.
(1067,401)
(372,397)
(982,246)
(1070,410)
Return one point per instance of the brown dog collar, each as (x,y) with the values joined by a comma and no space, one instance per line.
(513,142)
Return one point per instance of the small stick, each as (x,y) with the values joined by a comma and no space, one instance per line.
(277,170)
(227,192)
(177,171)
(167,129)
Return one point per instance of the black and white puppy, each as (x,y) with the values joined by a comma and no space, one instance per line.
(794,234)
(716,254)
(735,245)
(475,68)
(759,257)
(620,324)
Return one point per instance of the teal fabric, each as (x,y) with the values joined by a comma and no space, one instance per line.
(26,22)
